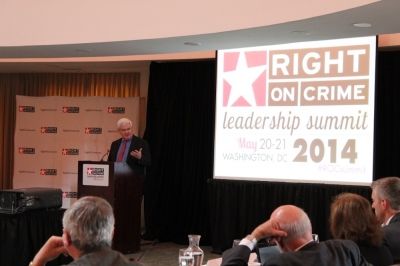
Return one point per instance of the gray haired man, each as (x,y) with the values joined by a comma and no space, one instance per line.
(386,203)
(87,236)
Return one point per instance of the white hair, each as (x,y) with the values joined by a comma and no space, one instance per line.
(90,223)
(123,122)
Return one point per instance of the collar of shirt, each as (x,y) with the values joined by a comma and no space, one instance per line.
(297,249)
(388,221)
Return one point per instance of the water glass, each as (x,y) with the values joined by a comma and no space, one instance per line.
(236,242)
(185,259)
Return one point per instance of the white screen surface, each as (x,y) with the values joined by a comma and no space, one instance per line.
(296,112)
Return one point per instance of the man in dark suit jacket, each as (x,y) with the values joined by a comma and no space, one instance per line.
(136,152)
(386,203)
(290,228)
(87,236)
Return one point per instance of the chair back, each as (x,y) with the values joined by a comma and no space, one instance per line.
(264,250)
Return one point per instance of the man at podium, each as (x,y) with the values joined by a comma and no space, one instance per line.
(130,149)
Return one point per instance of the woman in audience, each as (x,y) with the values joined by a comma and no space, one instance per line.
(352,218)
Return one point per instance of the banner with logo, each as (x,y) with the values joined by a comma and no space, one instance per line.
(300,112)
(53,133)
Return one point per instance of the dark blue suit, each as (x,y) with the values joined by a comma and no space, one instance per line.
(391,237)
(330,253)
(137,143)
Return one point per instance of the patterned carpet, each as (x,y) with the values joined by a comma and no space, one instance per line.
(166,253)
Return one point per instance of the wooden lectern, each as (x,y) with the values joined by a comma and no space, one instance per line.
(123,191)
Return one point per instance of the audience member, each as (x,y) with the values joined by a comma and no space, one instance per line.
(87,236)
(290,228)
(352,218)
(386,203)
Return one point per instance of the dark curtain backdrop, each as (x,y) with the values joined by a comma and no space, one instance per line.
(23,234)
(180,132)
(180,195)
(387,121)
(237,207)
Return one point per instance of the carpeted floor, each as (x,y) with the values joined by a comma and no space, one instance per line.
(166,254)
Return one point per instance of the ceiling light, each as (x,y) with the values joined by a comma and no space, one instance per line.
(192,43)
(301,32)
(72,69)
(83,50)
(362,25)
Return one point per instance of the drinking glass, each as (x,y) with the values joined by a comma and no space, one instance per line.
(315,238)
(185,259)
(236,242)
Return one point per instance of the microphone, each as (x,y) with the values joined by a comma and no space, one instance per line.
(102,158)
(155,242)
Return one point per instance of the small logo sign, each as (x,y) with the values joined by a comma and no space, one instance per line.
(26,150)
(95,171)
(93,130)
(48,129)
(116,110)
(48,171)
(70,110)
(26,109)
(68,194)
(70,151)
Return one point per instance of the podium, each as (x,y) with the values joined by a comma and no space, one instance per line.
(122,188)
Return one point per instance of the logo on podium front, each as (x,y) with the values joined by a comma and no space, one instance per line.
(95,175)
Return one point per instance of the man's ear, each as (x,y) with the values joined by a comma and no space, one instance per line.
(66,238)
(385,204)
(280,244)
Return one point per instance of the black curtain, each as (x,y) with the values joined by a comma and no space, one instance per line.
(180,132)
(23,234)
(387,116)
(179,184)
(237,207)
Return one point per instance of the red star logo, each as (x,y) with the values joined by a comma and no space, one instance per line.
(65,194)
(42,171)
(21,150)
(89,171)
(21,108)
(110,110)
(64,151)
(65,109)
(87,130)
(43,129)
(244,78)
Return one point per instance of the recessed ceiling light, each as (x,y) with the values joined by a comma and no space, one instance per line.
(301,32)
(362,25)
(72,69)
(192,43)
(83,50)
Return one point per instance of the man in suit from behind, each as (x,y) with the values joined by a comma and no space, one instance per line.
(386,203)
(87,236)
(290,228)
(130,149)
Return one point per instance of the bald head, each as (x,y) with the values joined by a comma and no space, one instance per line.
(294,221)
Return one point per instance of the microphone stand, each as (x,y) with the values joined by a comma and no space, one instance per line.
(155,242)
(102,158)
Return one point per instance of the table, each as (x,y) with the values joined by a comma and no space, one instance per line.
(23,234)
